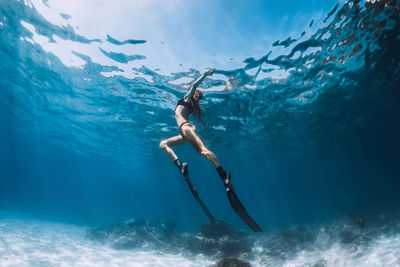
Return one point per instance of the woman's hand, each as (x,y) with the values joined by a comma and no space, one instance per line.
(209,72)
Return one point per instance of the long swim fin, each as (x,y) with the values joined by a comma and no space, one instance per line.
(196,195)
(238,206)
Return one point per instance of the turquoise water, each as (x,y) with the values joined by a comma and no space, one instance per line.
(309,130)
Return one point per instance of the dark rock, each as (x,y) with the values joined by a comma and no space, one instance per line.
(219,239)
(218,229)
(232,262)
(320,263)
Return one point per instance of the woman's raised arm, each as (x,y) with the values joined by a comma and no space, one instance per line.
(197,82)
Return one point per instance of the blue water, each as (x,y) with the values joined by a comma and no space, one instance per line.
(309,131)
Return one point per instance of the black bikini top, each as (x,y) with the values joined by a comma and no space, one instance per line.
(189,104)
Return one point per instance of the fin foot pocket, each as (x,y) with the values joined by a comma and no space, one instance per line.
(227,183)
(184,169)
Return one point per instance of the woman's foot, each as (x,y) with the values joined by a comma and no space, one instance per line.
(227,183)
(184,168)
(226,178)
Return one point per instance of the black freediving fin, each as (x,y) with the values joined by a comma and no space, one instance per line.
(238,206)
(196,195)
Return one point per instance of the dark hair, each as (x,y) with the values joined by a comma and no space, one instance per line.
(200,94)
(197,108)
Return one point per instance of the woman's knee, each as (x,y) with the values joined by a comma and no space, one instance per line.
(163,144)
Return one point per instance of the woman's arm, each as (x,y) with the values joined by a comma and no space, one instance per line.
(197,114)
(197,82)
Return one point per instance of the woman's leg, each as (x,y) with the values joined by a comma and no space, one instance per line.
(166,145)
(189,131)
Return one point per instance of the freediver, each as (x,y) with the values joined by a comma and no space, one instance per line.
(187,105)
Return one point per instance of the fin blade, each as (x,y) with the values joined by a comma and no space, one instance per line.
(197,197)
(241,211)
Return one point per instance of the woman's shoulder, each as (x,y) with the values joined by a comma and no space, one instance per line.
(187,98)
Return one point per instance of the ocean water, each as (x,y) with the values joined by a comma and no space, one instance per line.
(309,131)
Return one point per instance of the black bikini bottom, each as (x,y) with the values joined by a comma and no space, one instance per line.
(180,127)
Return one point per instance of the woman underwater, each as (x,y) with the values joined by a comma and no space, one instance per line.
(187,105)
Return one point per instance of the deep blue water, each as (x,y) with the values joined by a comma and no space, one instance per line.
(316,144)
